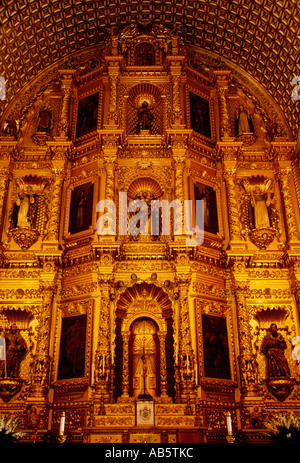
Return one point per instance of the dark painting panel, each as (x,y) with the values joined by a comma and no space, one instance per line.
(72,347)
(81,208)
(87,115)
(200,115)
(215,345)
(208,195)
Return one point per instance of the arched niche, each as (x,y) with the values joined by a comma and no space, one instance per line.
(144,301)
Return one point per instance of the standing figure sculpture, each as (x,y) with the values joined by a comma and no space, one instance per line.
(243,122)
(260,201)
(24,202)
(15,351)
(145,117)
(45,121)
(273,347)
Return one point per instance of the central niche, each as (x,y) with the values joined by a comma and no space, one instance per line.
(144,343)
(144,110)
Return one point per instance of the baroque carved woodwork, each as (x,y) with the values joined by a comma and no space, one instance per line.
(111,317)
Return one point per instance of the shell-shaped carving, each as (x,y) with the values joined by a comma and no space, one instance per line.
(144,186)
(144,92)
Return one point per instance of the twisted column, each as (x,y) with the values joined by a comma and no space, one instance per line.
(55,207)
(234,223)
(66,86)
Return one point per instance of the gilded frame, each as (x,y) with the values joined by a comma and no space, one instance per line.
(67,310)
(190,88)
(215,309)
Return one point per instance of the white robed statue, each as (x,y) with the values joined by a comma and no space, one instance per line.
(261,200)
(24,201)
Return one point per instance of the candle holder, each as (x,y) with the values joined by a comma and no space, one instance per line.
(61,438)
(230,438)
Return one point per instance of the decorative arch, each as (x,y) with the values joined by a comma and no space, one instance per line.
(144,301)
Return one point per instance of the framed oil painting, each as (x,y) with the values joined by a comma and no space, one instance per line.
(81,208)
(72,347)
(87,115)
(208,195)
(200,115)
(215,347)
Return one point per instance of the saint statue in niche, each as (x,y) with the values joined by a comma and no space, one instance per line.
(243,122)
(45,120)
(16,350)
(24,203)
(260,201)
(259,213)
(145,117)
(273,347)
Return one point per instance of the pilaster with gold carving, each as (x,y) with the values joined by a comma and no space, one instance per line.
(175,76)
(185,355)
(233,212)
(40,366)
(113,64)
(103,355)
(285,178)
(66,86)
(54,211)
(222,86)
(125,378)
(247,361)
(4,177)
(163,365)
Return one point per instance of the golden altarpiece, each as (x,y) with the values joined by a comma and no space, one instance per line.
(93,322)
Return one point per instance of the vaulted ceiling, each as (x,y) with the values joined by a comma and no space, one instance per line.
(260,36)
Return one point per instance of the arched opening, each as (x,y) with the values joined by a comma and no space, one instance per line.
(144,326)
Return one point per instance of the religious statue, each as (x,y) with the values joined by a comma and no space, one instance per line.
(45,121)
(10,127)
(260,201)
(273,347)
(15,351)
(243,122)
(24,203)
(145,117)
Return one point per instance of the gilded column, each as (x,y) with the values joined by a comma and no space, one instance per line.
(103,357)
(4,175)
(247,360)
(185,354)
(285,178)
(58,172)
(66,86)
(222,85)
(40,366)
(175,73)
(163,365)
(125,377)
(234,223)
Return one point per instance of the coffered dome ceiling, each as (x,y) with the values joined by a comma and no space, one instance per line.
(261,37)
